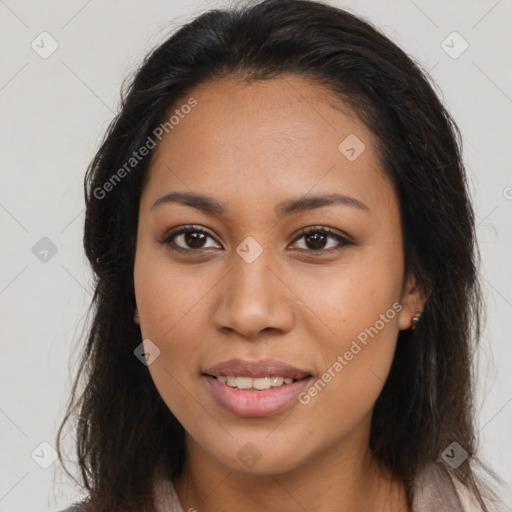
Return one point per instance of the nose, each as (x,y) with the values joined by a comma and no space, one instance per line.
(253,299)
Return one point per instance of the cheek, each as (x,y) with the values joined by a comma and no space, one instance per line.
(169,305)
(355,327)
(356,356)
(167,295)
(351,298)
(169,313)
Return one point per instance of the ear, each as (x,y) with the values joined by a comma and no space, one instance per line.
(413,300)
(136,316)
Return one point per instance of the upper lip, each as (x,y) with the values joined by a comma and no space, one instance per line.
(261,368)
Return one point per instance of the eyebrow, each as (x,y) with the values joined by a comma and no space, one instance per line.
(208,204)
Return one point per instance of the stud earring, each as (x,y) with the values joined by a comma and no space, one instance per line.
(415,319)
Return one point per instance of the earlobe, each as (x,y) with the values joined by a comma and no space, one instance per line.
(409,317)
(415,319)
(412,306)
(136,318)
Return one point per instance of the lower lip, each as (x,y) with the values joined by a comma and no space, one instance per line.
(254,404)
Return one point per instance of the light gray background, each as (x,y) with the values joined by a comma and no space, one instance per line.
(54,112)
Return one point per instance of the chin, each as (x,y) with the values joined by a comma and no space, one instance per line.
(257,457)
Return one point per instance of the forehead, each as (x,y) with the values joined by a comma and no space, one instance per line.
(256,138)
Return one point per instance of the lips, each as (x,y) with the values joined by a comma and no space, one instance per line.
(254,403)
(255,369)
(259,399)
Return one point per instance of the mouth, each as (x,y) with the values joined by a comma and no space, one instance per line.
(246,383)
(250,397)
(255,388)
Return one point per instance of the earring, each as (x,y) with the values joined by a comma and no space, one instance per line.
(136,316)
(415,319)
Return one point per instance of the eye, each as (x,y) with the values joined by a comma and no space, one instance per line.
(316,239)
(190,238)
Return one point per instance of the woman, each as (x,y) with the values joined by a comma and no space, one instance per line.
(286,300)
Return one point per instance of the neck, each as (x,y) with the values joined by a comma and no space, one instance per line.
(338,481)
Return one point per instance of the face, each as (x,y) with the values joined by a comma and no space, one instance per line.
(263,271)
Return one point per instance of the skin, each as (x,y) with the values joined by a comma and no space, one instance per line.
(251,146)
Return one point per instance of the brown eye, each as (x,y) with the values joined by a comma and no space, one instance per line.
(317,238)
(194,239)
(187,238)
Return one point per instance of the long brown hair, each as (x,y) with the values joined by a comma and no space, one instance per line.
(125,432)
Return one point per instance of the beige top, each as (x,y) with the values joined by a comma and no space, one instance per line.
(433,491)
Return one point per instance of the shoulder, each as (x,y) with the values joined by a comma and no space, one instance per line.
(470,503)
(435,489)
(467,499)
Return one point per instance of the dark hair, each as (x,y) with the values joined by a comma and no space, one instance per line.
(125,432)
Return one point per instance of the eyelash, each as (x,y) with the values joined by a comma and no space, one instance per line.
(324,230)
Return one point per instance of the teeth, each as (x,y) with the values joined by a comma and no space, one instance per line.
(277,381)
(243,382)
(259,383)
